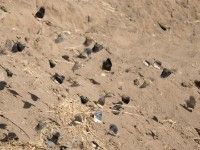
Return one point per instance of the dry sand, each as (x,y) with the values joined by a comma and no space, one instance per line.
(130,32)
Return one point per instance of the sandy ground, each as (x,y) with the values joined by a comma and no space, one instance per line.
(133,34)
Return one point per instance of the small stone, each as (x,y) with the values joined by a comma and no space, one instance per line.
(94,82)
(125,99)
(8,44)
(95,145)
(41,12)
(145,84)
(165,73)
(113,130)
(97,47)
(107,65)
(59,78)
(52,63)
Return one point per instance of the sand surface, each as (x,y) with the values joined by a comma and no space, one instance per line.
(134,34)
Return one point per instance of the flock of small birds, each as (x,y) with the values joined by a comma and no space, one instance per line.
(107,66)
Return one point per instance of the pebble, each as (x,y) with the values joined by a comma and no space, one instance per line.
(83,55)
(3,8)
(198,131)
(107,65)
(78,119)
(164,26)
(41,12)
(63,147)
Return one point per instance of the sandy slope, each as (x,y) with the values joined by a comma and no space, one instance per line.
(130,29)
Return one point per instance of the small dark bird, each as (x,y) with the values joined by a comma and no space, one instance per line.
(34,97)
(59,78)
(3,126)
(18,47)
(10,137)
(97,47)
(27,105)
(14,93)
(52,63)
(9,73)
(113,130)
(41,12)
(198,131)
(107,65)
(94,82)
(40,126)
(197,84)
(125,99)
(165,73)
(191,103)
(65,57)
(84,99)
(101,100)
(3,84)
(55,138)
(88,41)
